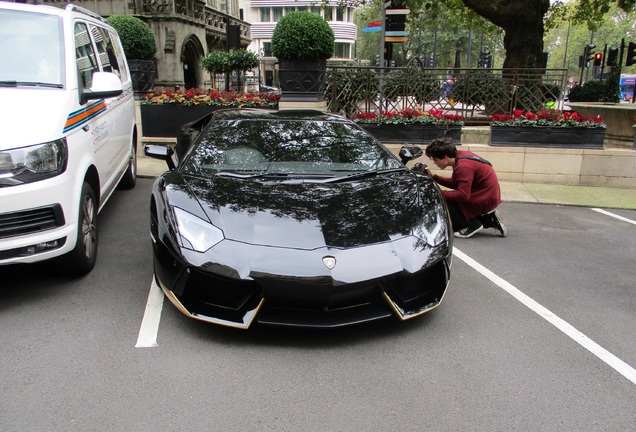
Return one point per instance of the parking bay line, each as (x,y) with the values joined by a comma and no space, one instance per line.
(614,215)
(152,315)
(610,359)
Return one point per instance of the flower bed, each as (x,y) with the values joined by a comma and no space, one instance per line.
(165,111)
(547,128)
(411,126)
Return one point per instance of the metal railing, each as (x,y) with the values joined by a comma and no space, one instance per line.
(475,94)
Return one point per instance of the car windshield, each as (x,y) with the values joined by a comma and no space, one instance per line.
(30,49)
(281,149)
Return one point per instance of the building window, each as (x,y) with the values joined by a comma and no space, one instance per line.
(328,14)
(315,10)
(278,13)
(265,15)
(343,50)
(267,49)
(340,14)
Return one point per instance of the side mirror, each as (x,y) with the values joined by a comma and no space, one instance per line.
(161,152)
(408,153)
(105,85)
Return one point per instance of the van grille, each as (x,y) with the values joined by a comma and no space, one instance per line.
(31,221)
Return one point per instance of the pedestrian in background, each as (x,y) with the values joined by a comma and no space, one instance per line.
(474,193)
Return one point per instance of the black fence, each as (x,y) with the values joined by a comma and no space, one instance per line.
(475,94)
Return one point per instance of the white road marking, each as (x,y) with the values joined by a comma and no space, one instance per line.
(614,215)
(620,366)
(150,323)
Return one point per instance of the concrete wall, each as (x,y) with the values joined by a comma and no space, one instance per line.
(601,168)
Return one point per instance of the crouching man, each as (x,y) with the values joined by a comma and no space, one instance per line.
(474,193)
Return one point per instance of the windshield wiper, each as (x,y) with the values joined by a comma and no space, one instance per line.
(364,174)
(29,84)
(273,175)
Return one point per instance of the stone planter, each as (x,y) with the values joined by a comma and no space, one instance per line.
(515,136)
(413,133)
(302,81)
(165,121)
(618,117)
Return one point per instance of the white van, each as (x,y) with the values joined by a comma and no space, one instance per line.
(67,132)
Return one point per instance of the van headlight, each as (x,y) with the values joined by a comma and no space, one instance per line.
(33,163)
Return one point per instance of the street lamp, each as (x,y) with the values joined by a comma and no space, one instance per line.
(420,14)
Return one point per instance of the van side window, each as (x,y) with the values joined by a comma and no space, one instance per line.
(118,52)
(105,50)
(85,55)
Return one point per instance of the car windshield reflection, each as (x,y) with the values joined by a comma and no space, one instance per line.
(285,149)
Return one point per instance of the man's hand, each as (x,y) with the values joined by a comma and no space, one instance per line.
(422,168)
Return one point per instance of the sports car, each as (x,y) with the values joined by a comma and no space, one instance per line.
(295,218)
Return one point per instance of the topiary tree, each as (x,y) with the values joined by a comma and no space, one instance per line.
(242,60)
(302,35)
(136,36)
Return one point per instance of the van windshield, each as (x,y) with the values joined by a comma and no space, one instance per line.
(31,49)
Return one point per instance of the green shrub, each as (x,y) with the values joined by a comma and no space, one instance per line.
(136,37)
(302,36)
(217,62)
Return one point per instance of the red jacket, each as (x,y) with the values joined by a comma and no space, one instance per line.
(475,186)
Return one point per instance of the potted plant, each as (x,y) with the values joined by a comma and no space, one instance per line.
(140,47)
(411,126)
(164,111)
(547,128)
(302,41)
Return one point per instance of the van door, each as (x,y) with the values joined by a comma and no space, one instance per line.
(122,108)
(97,114)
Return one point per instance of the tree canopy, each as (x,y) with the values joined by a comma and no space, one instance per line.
(523,21)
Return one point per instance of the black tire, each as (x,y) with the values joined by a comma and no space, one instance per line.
(129,179)
(82,258)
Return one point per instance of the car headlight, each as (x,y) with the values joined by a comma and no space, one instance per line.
(33,163)
(195,233)
(432,228)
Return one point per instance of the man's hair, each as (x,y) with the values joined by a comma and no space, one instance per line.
(440,147)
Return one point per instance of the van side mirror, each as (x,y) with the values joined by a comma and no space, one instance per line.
(105,85)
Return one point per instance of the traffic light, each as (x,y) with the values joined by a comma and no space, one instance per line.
(598,59)
(612,54)
(589,53)
(377,60)
(631,54)
(392,63)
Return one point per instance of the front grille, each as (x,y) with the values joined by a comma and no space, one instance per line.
(31,221)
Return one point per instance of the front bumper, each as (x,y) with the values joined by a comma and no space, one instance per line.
(315,302)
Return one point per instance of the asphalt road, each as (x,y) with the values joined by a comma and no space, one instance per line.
(537,333)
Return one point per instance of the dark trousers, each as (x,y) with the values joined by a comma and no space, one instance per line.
(459,220)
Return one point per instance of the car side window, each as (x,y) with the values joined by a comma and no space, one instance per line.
(85,55)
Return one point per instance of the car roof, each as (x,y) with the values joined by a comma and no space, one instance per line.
(269,114)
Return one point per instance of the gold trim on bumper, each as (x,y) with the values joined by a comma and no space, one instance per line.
(245,324)
(403,315)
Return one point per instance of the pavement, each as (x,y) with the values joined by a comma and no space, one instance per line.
(583,196)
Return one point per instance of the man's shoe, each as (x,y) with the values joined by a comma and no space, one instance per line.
(472,229)
(497,223)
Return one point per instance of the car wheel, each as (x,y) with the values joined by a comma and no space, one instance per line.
(129,179)
(81,259)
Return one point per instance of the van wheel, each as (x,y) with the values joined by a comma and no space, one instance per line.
(81,259)
(129,179)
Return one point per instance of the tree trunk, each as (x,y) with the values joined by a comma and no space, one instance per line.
(522,21)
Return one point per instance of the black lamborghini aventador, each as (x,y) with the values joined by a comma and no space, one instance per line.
(295,218)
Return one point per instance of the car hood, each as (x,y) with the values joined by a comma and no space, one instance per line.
(311,215)
(32,115)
